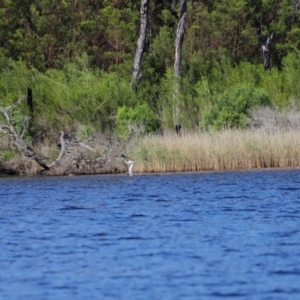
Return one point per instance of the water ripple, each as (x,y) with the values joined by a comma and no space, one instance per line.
(185,236)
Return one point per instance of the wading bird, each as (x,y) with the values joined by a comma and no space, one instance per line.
(129,163)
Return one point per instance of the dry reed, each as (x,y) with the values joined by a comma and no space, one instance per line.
(225,150)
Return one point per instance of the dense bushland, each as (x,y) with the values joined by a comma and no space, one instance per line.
(77,58)
(78,94)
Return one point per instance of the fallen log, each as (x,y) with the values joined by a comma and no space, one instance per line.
(14,128)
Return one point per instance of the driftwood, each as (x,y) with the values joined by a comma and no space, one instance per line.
(10,121)
(72,158)
(62,149)
(75,158)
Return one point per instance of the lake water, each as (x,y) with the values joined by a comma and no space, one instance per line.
(226,235)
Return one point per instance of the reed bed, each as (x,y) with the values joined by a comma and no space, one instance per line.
(225,150)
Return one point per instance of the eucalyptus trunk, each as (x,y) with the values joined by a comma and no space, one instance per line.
(136,76)
(179,38)
(177,62)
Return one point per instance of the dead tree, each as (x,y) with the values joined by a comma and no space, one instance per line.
(74,156)
(177,61)
(29,100)
(265,47)
(15,126)
(136,76)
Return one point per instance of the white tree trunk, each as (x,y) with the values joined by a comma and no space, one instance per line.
(136,76)
(177,63)
(179,38)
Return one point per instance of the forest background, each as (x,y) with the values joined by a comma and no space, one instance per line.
(77,59)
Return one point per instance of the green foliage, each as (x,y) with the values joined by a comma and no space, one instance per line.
(84,133)
(137,120)
(47,34)
(291,72)
(77,58)
(118,26)
(7,154)
(167,99)
(14,80)
(230,109)
(161,56)
(62,99)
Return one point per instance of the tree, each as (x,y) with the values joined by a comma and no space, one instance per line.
(14,126)
(265,48)
(140,43)
(179,38)
(177,62)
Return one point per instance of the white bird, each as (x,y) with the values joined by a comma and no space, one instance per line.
(129,163)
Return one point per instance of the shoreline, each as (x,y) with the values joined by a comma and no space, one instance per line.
(224,151)
(3,175)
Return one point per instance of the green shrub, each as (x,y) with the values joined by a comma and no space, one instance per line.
(84,132)
(231,108)
(7,154)
(136,120)
(291,71)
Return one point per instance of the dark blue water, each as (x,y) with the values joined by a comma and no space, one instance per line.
(231,235)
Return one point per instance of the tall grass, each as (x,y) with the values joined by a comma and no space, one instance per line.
(224,150)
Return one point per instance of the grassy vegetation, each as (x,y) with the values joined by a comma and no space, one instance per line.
(86,102)
(231,149)
(80,72)
(80,95)
(223,150)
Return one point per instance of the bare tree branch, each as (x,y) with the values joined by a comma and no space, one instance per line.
(265,48)
(72,158)
(62,149)
(11,119)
